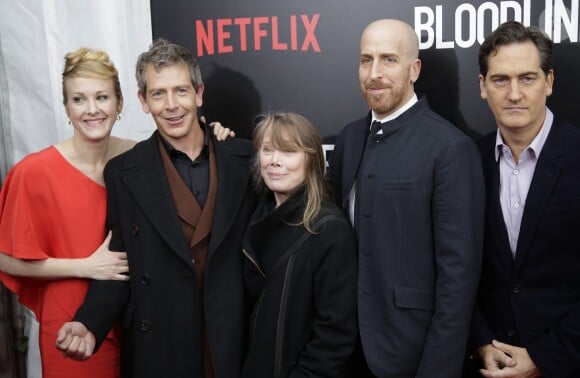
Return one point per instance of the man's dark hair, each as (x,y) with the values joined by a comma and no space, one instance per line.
(514,32)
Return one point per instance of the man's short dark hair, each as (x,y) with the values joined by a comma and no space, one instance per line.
(514,32)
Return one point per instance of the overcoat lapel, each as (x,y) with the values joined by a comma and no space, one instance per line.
(232,170)
(545,175)
(145,178)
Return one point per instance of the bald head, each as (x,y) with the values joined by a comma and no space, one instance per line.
(389,65)
(397,31)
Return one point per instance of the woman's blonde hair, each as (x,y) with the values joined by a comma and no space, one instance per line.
(294,132)
(89,63)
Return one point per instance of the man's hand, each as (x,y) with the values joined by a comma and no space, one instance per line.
(75,341)
(502,360)
(494,359)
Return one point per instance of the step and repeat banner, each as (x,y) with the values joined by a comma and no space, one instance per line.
(302,56)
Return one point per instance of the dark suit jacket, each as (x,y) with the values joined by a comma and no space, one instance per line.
(420,199)
(162,333)
(533,300)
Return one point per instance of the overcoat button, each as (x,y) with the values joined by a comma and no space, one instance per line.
(144,325)
(135,230)
(145,279)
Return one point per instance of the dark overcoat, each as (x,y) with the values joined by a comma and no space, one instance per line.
(159,306)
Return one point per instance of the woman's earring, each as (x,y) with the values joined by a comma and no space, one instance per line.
(119,117)
(69,122)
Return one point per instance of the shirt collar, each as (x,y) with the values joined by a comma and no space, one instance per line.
(174,151)
(537,143)
(397,113)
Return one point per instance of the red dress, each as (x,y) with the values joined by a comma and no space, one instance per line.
(48,208)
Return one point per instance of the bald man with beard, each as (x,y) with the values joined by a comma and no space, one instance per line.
(412,186)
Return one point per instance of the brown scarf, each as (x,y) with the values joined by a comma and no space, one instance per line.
(196,224)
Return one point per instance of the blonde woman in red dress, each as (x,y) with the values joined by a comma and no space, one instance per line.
(52,215)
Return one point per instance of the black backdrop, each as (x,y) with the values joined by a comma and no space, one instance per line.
(258,56)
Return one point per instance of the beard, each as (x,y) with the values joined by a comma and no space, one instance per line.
(380,104)
(387,102)
(384,103)
(391,99)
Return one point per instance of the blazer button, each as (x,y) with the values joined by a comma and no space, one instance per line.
(135,230)
(145,279)
(144,325)
(511,333)
(516,290)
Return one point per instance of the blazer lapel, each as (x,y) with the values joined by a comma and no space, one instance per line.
(497,230)
(187,207)
(145,178)
(545,175)
(205,219)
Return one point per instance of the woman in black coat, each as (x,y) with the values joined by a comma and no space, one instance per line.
(300,260)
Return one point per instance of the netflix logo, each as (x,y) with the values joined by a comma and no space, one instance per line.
(228,35)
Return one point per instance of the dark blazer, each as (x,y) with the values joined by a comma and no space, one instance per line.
(301,289)
(162,332)
(533,300)
(419,224)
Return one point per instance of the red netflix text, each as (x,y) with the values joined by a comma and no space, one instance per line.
(226,35)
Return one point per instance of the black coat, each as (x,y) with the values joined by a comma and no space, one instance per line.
(162,333)
(303,290)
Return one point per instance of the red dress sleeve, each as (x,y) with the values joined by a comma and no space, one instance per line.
(17,237)
(48,208)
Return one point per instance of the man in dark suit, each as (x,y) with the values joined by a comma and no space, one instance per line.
(178,204)
(527,321)
(414,191)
